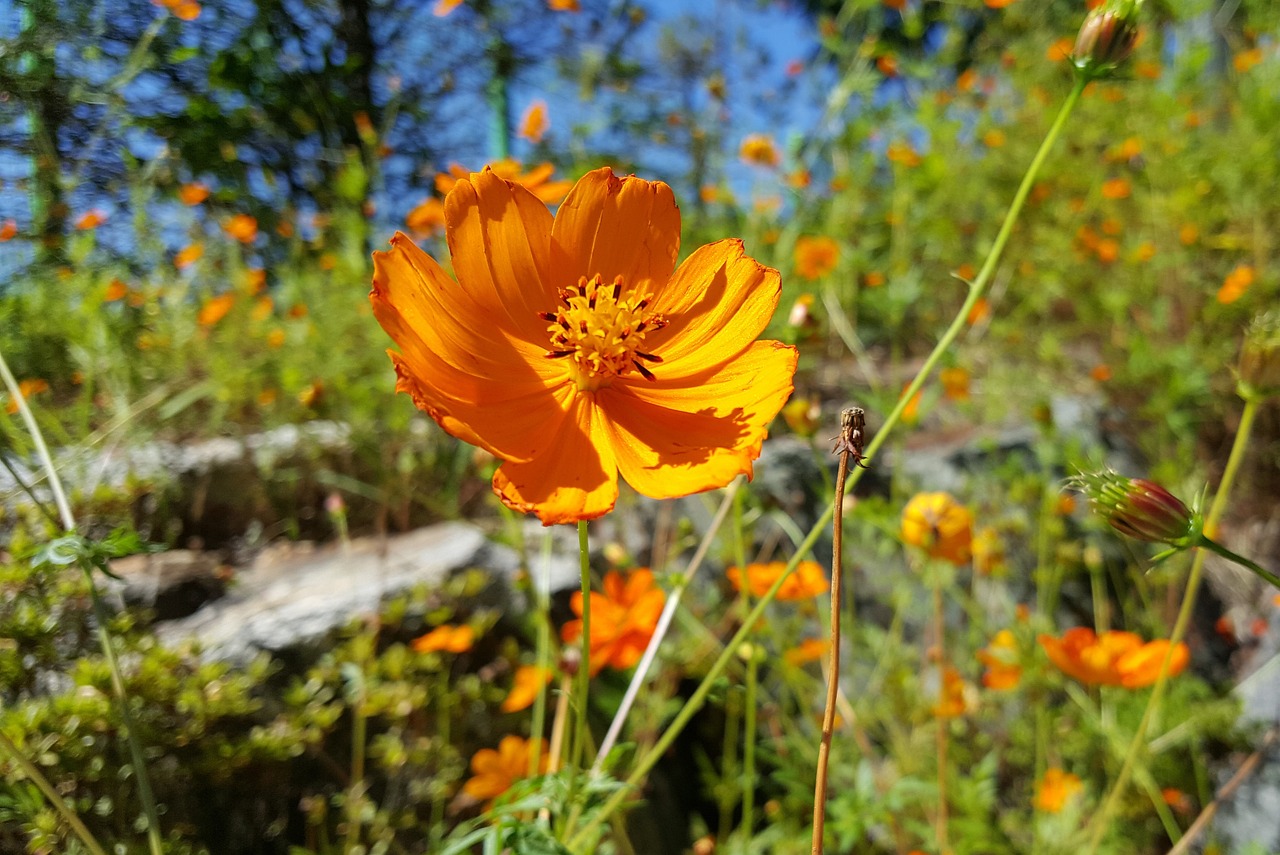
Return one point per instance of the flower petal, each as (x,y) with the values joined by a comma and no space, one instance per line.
(615,226)
(574,479)
(716,304)
(673,440)
(499,236)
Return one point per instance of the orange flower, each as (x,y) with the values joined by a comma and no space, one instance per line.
(939,525)
(116,290)
(623,619)
(193,193)
(564,5)
(798,179)
(91,220)
(911,412)
(998,4)
(1060,50)
(444,7)
(188,256)
(569,349)
(255,279)
(537,180)
(427,219)
(262,309)
(759,150)
(1001,658)
(8,230)
(995,137)
(815,257)
(215,309)
(953,697)
(1247,59)
(1113,659)
(1144,252)
(1055,789)
(1116,188)
(980,312)
(809,650)
(1188,234)
(275,339)
(525,687)
(1100,373)
(805,582)
(873,279)
(903,153)
(242,227)
(447,637)
(493,772)
(186,10)
(988,551)
(1108,250)
(534,124)
(887,64)
(1236,283)
(955,383)
(26,389)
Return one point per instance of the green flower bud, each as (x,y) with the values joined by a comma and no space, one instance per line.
(1141,509)
(1106,38)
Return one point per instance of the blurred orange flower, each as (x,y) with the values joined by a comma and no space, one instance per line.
(1236,284)
(1101,372)
(980,312)
(262,309)
(493,772)
(887,64)
(815,257)
(1245,60)
(1108,250)
(242,227)
(873,279)
(1001,658)
(116,290)
(941,526)
(188,256)
(215,309)
(186,10)
(805,582)
(534,124)
(537,180)
(998,4)
(1144,252)
(8,230)
(447,637)
(798,179)
(1188,234)
(809,650)
(955,383)
(902,153)
(1061,49)
(443,7)
(1116,188)
(1113,659)
(911,412)
(623,618)
(193,193)
(525,687)
(26,389)
(759,150)
(995,137)
(988,551)
(427,219)
(255,279)
(564,5)
(91,220)
(541,352)
(1055,789)
(275,339)
(954,695)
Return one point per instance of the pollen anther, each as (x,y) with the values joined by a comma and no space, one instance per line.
(603,327)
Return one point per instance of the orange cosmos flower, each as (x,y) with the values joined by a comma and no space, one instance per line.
(1236,283)
(1113,659)
(8,230)
(570,349)
(242,227)
(873,279)
(1001,658)
(564,5)
(809,650)
(994,138)
(998,4)
(815,257)
(955,383)
(446,637)
(493,772)
(528,682)
(427,219)
(805,582)
(1060,50)
(988,551)
(759,150)
(91,220)
(193,194)
(1247,59)
(623,619)
(186,10)
(939,525)
(26,389)
(537,180)
(954,695)
(1055,789)
(1116,188)
(116,290)
(215,309)
(903,153)
(444,7)
(534,124)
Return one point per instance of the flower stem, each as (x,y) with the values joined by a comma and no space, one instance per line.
(100,615)
(976,288)
(69,816)
(1218,549)
(1216,510)
(578,749)
(940,737)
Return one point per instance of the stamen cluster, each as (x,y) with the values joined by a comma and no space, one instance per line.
(602,329)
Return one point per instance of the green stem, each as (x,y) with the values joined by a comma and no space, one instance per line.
(68,815)
(976,288)
(1218,549)
(577,751)
(1216,510)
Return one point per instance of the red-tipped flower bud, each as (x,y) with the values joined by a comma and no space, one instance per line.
(1106,38)
(1141,509)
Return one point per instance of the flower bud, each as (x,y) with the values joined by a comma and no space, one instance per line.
(1141,509)
(1258,372)
(1106,38)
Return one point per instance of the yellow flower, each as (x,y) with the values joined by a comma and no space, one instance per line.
(493,772)
(805,582)
(1055,789)
(623,619)
(1112,659)
(988,551)
(446,637)
(569,348)
(759,150)
(815,257)
(939,525)
(1001,658)
(534,124)
(527,683)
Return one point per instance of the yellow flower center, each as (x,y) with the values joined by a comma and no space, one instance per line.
(601,328)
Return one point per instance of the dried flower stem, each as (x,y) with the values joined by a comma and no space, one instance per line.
(1242,774)
(976,288)
(1216,510)
(104,636)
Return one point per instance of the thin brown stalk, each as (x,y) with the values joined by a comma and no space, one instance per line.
(1228,790)
(849,445)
